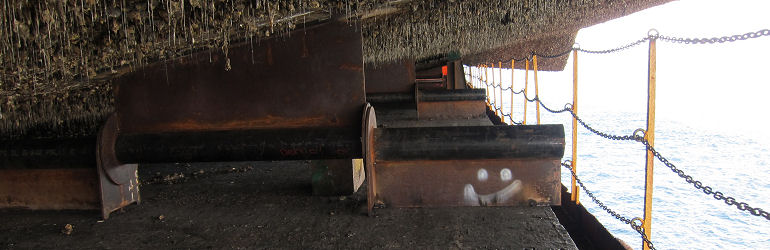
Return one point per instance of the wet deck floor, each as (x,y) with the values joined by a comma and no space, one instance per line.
(269,205)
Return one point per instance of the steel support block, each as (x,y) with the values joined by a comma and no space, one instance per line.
(395,77)
(484,182)
(464,166)
(451,104)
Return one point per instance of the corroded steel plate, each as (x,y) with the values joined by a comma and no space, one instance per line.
(308,78)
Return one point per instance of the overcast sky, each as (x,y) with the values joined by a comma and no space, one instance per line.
(722,86)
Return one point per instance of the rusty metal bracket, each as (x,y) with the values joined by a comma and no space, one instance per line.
(417,98)
(369,123)
(118,183)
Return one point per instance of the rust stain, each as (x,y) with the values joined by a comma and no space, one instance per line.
(263,123)
(269,54)
(351,67)
(305,52)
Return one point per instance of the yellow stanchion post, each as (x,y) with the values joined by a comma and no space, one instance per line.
(575,191)
(526,84)
(537,94)
(502,114)
(494,91)
(649,135)
(486,85)
(512,69)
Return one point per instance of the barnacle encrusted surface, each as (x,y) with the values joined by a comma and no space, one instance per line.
(58,56)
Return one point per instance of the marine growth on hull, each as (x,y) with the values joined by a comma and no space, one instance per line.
(58,56)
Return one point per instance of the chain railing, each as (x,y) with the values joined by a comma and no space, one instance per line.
(645,137)
(637,227)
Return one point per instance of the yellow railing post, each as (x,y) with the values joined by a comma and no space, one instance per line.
(494,90)
(649,135)
(502,114)
(512,69)
(486,85)
(526,83)
(575,191)
(537,94)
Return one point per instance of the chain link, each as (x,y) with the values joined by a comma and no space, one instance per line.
(638,228)
(568,108)
(563,53)
(509,116)
(730,201)
(689,179)
(673,39)
(618,49)
(713,40)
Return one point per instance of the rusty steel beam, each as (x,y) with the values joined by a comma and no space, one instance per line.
(311,77)
(49,174)
(471,142)
(378,98)
(63,188)
(394,77)
(240,145)
(51,153)
(428,96)
(452,95)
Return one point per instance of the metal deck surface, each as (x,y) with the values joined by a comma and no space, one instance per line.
(270,205)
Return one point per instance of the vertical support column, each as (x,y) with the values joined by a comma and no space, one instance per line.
(537,93)
(650,137)
(526,85)
(486,83)
(502,113)
(512,69)
(458,74)
(494,91)
(575,191)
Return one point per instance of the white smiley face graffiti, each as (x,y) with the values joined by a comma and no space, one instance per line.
(501,196)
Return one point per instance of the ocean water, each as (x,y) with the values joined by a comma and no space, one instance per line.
(682,217)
